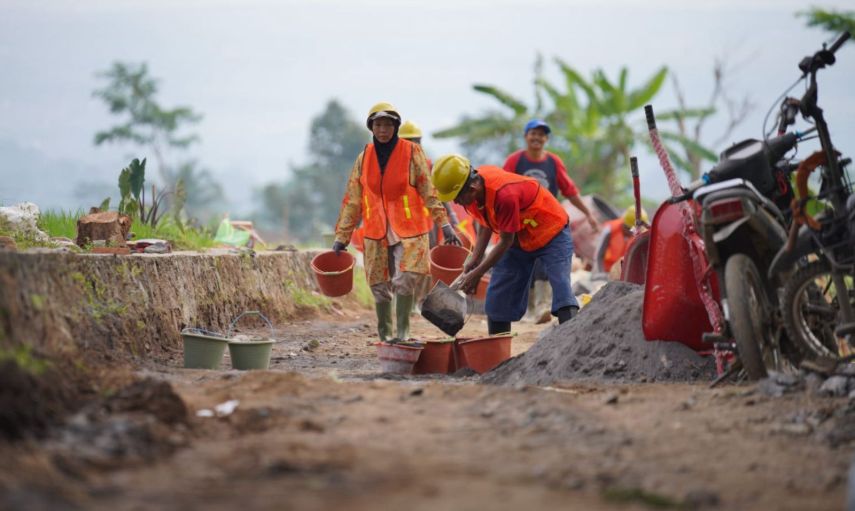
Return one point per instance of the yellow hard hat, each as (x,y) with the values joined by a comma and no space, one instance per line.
(409,130)
(629,216)
(382,109)
(450,173)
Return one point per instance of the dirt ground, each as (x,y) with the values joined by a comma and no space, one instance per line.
(324,429)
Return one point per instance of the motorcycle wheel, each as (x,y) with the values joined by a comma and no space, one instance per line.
(810,310)
(750,317)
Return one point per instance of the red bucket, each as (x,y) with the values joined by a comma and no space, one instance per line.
(334,272)
(483,353)
(436,357)
(446,262)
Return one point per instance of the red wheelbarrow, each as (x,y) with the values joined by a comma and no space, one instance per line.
(681,295)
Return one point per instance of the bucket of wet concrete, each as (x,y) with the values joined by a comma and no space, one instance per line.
(202,349)
(445,308)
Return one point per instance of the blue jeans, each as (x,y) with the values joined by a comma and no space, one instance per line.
(507,295)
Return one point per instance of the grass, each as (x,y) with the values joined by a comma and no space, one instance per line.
(361,289)
(637,495)
(60,223)
(306,298)
(64,223)
(182,238)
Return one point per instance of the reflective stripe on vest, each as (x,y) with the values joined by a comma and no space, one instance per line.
(542,220)
(389,196)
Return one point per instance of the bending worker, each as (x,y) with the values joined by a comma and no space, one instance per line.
(532,226)
(390,191)
(547,168)
(614,241)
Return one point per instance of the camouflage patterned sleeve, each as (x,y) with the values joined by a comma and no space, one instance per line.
(420,179)
(351,205)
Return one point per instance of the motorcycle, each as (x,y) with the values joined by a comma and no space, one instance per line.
(817,303)
(734,228)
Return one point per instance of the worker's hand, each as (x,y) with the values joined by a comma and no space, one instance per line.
(338,247)
(469,282)
(593,223)
(450,236)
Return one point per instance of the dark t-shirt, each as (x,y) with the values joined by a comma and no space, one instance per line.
(549,172)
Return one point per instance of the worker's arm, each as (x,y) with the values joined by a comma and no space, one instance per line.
(452,216)
(571,191)
(481,243)
(577,201)
(470,280)
(351,205)
(420,179)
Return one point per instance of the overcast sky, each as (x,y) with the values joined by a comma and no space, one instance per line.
(260,70)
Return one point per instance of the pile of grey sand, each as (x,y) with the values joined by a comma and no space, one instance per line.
(604,342)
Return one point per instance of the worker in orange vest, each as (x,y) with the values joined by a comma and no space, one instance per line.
(389,190)
(536,162)
(532,226)
(614,241)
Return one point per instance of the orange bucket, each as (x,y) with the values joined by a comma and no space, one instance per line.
(446,262)
(483,353)
(334,272)
(436,357)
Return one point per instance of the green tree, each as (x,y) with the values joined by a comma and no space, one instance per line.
(832,20)
(596,123)
(130,93)
(203,197)
(306,205)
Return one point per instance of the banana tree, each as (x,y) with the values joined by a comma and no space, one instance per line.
(596,123)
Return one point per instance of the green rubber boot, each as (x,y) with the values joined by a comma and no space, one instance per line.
(384,320)
(402,313)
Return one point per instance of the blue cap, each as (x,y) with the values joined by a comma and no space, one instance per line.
(536,123)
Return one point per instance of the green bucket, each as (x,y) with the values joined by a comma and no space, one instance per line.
(251,354)
(203,351)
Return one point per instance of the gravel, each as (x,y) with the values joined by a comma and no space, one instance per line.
(604,342)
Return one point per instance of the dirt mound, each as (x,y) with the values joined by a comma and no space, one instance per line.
(604,342)
(31,400)
(140,423)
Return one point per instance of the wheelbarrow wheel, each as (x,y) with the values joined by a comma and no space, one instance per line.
(750,317)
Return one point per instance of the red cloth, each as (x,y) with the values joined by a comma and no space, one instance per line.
(565,184)
(510,200)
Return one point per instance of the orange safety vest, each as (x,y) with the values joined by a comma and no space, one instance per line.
(389,197)
(542,220)
(617,243)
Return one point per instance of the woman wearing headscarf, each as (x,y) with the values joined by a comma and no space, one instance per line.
(389,190)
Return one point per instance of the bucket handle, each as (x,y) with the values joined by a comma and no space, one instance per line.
(202,331)
(249,313)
